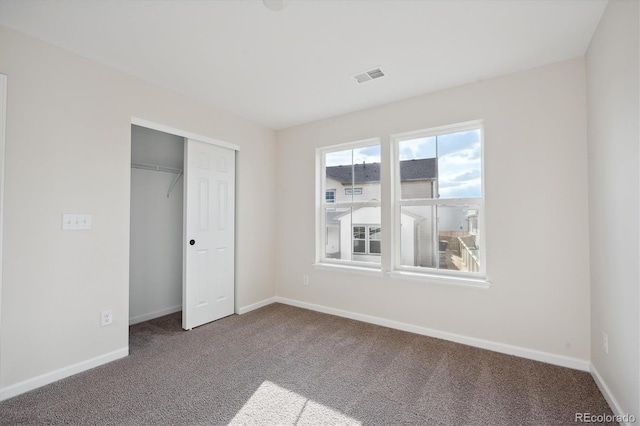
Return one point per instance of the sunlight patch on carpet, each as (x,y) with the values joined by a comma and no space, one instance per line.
(272,404)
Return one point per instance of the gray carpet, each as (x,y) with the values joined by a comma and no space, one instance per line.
(284,365)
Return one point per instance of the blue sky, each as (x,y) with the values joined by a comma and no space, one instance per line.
(369,154)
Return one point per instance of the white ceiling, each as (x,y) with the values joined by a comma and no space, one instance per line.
(291,67)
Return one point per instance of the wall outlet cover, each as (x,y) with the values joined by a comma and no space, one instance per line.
(106,317)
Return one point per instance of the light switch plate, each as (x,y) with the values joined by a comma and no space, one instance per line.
(76,222)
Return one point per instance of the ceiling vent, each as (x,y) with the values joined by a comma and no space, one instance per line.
(368,75)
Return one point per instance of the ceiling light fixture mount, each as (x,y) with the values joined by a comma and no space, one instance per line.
(275,5)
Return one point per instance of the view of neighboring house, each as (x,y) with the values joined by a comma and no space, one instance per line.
(354,233)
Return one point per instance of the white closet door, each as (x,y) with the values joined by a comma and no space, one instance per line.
(209,233)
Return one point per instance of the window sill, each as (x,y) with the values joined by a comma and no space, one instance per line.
(478,283)
(350,269)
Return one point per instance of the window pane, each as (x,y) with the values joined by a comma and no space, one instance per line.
(457,242)
(446,166)
(417,168)
(358,246)
(374,246)
(338,233)
(417,236)
(374,233)
(366,166)
(459,165)
(358,232)
(339,173)
(458,238)
(360,166)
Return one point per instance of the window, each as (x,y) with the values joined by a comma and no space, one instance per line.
(439,201)
(349,219)
(359,239)
(354,191)
(330,195)
(366,239)
(434,195)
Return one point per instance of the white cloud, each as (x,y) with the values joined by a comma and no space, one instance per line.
(367,154)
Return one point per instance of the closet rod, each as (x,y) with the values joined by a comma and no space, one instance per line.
(156,168)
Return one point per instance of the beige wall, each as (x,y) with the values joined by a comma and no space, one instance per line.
(613,70)
(68,150)
(535,173)
(416,189)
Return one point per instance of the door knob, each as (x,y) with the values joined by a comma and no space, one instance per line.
(192,242)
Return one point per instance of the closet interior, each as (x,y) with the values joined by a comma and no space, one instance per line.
(156,234)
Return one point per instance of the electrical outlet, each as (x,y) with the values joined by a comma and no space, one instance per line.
(106,317)
(605,342)
(305,280)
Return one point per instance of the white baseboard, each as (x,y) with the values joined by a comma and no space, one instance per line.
(155,314)
(606,392)
(54,376)
(561,360)
(256,305)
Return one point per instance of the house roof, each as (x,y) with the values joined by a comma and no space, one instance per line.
(410,170)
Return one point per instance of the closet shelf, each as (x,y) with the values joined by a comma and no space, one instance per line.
(156,168)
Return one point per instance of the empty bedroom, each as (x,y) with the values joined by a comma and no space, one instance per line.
(326,212)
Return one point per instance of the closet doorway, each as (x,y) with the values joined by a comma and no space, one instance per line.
(182,226)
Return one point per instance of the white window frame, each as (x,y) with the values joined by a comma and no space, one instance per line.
(397,203)
(334,195)
(321,205)
(367,239)
(390,249)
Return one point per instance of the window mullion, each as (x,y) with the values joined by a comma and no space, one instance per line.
(366,240)
(353,205)
(439,201)
(436,191)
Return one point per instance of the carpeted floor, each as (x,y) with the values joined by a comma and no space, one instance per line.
(284,365)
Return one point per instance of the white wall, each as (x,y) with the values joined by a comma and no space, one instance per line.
(613,70)
(68,149)
(535,172)
(155,269)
